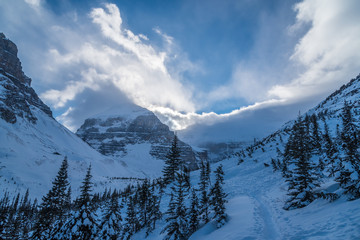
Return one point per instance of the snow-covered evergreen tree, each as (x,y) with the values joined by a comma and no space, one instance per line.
(132,223)
(154,213)
(54,205)
(301,176)
(111,224)
(172,162)
(82,222)
(330,151)
(194,212)
(218,198)
(176,227)
(203,188)
(349,177)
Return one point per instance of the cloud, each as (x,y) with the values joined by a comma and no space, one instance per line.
(131,65)
(328,51)
(96,57)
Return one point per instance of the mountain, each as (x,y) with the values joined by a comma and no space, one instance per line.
(120,132)
(328,111)
(33,143)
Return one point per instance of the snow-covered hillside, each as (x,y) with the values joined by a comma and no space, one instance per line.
(33,143)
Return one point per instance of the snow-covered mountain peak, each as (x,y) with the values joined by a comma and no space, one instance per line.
(126,111)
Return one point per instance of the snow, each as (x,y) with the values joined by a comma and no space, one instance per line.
(32,154)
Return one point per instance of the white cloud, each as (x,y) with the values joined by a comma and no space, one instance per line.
(79,59)
(131,65)
(329,51)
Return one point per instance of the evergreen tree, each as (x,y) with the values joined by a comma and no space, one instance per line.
(132,224)
(177,219)
(218,198)
(143,202)
(315,139)
(110,228)
(349,177)
(172,162)
(330,151)
(82,223)
(4,213)
(203,188)
(301,176)
(154,213)
(194,213)
(54,205)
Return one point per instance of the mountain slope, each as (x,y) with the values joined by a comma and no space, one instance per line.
(33,143)
(257,194)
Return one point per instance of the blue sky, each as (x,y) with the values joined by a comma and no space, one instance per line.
(191,62)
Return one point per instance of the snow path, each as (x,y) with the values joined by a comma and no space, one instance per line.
(254,185)
(269,230)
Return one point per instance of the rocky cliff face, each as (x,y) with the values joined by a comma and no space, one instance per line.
(112,135)
(17,98)
(10,64)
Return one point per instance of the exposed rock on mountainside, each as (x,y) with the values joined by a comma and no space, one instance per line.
(112,134)
(10,64)
(17,97)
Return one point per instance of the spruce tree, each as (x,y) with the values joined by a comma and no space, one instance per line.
(349,177)
(330,151)
(132,224)
(218,198)
(54,204)
(82,223)
(203,188)
(154,212)
(194,213)
(172,162)
(301,175)
(177,219)
(110,228)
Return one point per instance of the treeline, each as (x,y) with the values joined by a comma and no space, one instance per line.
(312,155)
(118,214)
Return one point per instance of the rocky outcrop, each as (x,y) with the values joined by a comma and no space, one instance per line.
(17,98)
(10,64)
(112,135)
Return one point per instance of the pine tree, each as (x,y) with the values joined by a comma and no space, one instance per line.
(301,175)
(330,151)
(315,139)
(203,188)
(177,219)
(4,213)
(154,212)
(132,224)
(54,205)
(218,198)
(194,213)
(349,178)
(82,223)
(172,162)
(13,221)
(110,228)
(143,202)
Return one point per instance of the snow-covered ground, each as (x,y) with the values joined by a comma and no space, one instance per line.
(255,209)
(31,155)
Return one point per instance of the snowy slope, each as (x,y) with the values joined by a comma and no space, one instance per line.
(31,155)
(33,144)
(257,194)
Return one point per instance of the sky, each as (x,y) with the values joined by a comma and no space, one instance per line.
(241,66)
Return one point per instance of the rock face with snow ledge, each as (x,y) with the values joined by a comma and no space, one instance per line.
(118,130)
(33,144)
